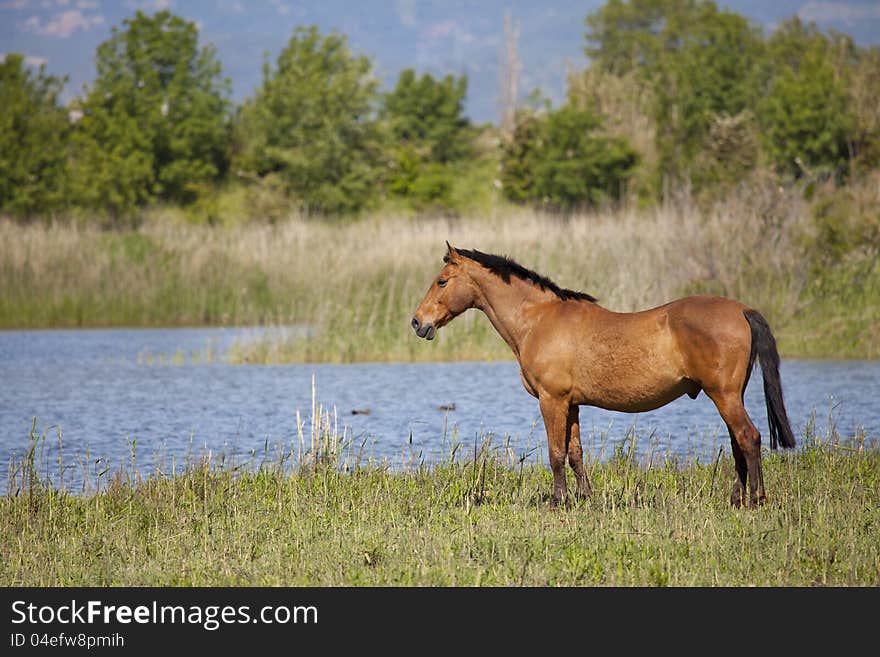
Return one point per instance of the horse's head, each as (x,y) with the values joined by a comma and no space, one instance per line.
(452,292)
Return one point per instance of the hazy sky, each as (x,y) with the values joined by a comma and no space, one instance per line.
(435,36)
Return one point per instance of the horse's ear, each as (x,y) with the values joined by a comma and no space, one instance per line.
(451,253)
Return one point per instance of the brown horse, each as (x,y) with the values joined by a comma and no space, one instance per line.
(573,352)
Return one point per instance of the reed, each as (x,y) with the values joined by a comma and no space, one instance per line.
(355,284)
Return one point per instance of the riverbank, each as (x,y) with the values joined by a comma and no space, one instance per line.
(478,519)
(356,283)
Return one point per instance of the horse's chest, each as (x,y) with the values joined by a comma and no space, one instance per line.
(528,384)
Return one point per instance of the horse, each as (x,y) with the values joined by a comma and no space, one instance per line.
(573,352)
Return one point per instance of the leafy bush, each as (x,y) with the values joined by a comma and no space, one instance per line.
(430,135)
(848,224)
(433,187)
(624,105)
(556,159)
(730,151)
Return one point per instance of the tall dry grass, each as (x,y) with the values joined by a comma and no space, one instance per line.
(356,283)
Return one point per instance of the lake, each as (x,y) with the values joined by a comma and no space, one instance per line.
(172,392)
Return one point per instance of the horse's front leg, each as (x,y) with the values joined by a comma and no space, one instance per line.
(555,412)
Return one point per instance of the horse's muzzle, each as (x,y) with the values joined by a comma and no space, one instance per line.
(426,331)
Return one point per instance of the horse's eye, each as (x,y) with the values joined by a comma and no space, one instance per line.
(441,282)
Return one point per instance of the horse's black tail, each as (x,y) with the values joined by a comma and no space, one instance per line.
(764,347)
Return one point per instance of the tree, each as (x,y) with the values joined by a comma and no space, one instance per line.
(624,104)
(155,121)
(805,114)
(863,92)
(520,157)
(712,74)
(628,35)
(559,160)
(33,139)
(430,134)
(312,124)
(429,113)
(701,63)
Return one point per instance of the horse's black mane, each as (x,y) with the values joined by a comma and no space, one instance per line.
(504,267)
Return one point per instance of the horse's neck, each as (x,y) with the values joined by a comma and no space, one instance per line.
(507,305)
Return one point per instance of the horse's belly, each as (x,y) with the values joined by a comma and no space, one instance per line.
(636,398)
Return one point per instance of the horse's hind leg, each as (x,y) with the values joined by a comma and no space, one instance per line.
(576,453)
(738,495)
(746,444)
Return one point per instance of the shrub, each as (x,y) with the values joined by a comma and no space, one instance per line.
(558,160)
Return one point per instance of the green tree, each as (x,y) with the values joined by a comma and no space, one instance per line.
(430,134)
(805,115)
(863,91)
(712,74)
(702,65)
(559,160)
(312,124)
(429,114)
(628,35)
(155,120)
(520,157)
(33,139)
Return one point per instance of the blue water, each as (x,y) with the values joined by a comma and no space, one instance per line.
(104,389)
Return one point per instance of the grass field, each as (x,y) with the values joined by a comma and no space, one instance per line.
(480,519)
(357,282)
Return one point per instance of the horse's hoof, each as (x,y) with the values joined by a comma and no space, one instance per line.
(584,494)
(759,501)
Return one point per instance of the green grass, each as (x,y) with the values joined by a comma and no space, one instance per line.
(480,520)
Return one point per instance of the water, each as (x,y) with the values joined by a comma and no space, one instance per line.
(170,390)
